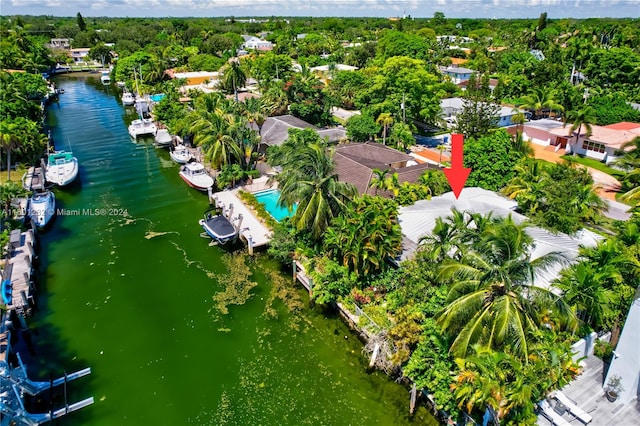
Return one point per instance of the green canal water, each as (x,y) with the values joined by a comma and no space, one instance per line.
(127,289)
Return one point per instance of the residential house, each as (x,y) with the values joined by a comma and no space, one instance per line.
(323,72)
(356,162)
(275,131)
(457,74)
(602,144)
(451,107)
(80,54)
(419,220)
(493,83)
(60,43)
(205,81)
(539,131)
(255,43)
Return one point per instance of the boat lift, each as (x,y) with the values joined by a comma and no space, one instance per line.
(14,383)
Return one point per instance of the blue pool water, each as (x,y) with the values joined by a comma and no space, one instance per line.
(269,199)
(158,97)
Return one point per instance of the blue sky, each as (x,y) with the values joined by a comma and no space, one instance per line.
(415,8)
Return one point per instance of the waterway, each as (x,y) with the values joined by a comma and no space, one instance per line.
(127,289)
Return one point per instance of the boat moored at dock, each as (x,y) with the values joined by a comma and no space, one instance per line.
(219,228)
(42,208)
(62,168)
(128,99)
(142,127)
(194,174)
(163,138)
(180,154)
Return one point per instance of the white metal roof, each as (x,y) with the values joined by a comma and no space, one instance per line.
(419,220)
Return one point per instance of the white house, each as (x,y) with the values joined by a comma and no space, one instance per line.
(255,43)
(457,74)
(419,219)
(602,144)
(80,54)
(451,107)
(626,358)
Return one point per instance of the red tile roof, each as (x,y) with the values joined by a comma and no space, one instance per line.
(623,125)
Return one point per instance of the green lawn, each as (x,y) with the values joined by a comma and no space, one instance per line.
(598,165)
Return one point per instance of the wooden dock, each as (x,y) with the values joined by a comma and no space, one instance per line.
(19,270)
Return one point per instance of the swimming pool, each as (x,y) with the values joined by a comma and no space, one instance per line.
(269,199)
(157,97)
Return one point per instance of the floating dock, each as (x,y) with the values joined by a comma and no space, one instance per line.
(18,272)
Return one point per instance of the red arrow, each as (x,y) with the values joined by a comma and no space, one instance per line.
(457,174)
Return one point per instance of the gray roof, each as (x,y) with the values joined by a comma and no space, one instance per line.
(457,70)
(544,124)
(275,130)
(419,220)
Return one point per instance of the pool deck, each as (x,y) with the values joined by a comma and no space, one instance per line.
(252,230)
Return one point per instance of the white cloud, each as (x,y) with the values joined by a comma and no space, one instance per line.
(417,8)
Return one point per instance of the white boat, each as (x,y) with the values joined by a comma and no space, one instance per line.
(142,107)
(194,174)
(105,78)
(163,138)
(128,99)
(140,127)
(62,168)
(180,154)
(42,207)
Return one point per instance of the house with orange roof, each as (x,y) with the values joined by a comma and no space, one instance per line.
(602,144)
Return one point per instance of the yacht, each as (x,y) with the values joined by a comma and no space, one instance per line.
(105,78)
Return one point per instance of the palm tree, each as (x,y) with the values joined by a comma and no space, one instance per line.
(526,186)
(212,127)
(518,118)
(585,116)
(540,100)
(379,180)
(585,287)
(309,181)
(234,76)
(385,119)
(441,148)
(493,300)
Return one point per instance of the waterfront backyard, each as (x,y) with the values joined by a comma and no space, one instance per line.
(140,298)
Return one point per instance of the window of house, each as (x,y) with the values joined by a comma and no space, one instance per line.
(593,146)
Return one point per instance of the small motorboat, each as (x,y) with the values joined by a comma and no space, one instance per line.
(180,154)
(42,207)
(163,138)
(218,228)
(194,174)
(105,78)
(62,168)
(141,127)
(128,99)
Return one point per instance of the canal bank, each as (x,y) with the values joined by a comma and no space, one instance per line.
(131,295)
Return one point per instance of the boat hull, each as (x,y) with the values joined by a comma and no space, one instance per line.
(200,186)
(63,171)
